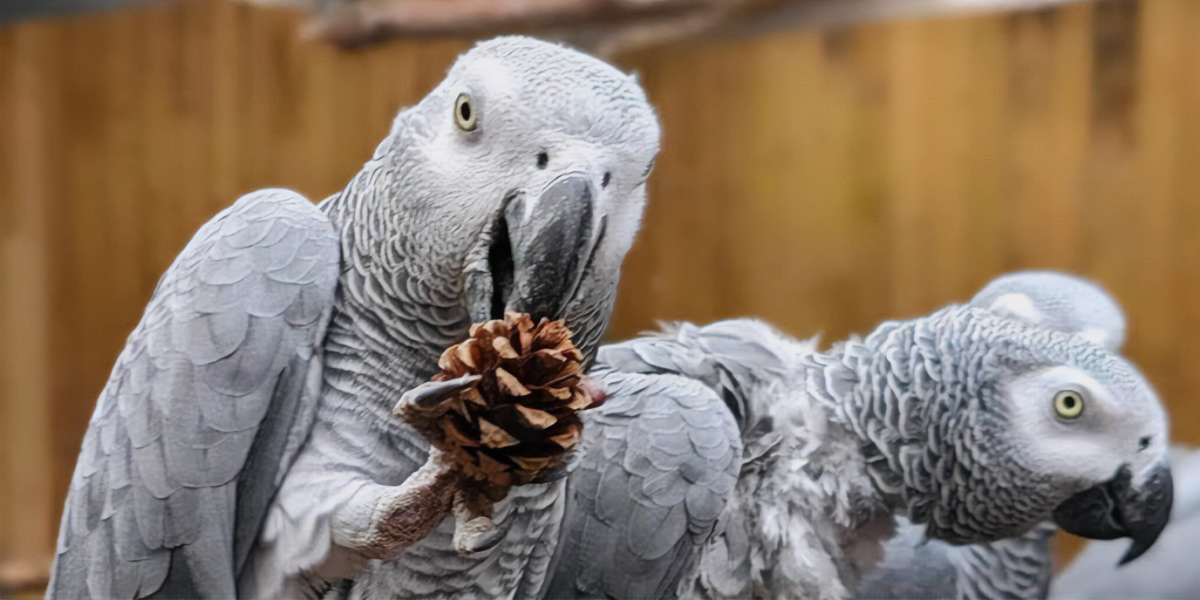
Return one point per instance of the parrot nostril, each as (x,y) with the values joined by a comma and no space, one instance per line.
(607,178)
(1144,443)
(543,159)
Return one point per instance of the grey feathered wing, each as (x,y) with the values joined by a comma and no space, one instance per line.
(659,462)
(204,410)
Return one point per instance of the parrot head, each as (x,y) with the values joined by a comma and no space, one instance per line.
(1080,307)
(1093,422)
(990,425)
(523,177)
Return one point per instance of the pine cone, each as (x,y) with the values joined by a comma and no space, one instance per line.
(517,422)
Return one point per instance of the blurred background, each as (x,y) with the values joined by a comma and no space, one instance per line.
(825,166)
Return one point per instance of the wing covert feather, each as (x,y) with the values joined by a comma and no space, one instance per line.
(204,409)
(659,462)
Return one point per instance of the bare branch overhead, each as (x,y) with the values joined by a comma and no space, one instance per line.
(607,26)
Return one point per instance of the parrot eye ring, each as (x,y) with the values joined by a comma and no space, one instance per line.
(1068,404)
(464,114)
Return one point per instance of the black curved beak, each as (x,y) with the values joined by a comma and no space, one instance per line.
(1118,509)
(552,242)
(537,250)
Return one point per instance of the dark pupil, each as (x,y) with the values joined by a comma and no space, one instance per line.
(465,111)
(1069,402)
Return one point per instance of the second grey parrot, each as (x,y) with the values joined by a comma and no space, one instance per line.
(917,567)
(245,443)
(732,461)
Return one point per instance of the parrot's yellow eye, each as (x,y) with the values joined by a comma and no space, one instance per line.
(464,113)
(1068,404)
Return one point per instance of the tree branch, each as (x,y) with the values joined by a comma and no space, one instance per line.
(608,26)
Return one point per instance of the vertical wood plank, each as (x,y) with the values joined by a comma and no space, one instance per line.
(27,474)
(675,274)
(946,143)
(1168,111)
(1048,116)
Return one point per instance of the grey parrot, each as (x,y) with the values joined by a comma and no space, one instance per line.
(917,567)
(245,443)
(1167,571)
(732,461)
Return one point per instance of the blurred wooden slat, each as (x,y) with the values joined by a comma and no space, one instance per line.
(1049,90)
(823,180)
(1167,122)
(29,191)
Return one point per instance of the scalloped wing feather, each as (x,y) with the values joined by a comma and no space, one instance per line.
(204,410)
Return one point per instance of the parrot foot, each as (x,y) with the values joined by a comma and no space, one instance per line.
(416,507)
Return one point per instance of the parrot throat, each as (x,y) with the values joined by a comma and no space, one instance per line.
(390,325)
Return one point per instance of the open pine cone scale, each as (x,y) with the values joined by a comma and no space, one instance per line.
(517,421)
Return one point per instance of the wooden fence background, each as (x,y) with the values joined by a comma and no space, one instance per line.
(823,180)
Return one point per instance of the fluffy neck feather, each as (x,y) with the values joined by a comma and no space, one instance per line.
(397,307)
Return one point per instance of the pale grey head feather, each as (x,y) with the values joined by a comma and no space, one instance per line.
(1057,301)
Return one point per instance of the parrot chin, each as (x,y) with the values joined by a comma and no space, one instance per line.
(1117,509)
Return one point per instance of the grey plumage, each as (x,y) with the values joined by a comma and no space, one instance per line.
(208,398)
(917,567)
(1166,572)
(941,418)
(659,462)
(914,566)
(1057,301)
(245,444)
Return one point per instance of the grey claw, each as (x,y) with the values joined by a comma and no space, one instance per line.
(429,394)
